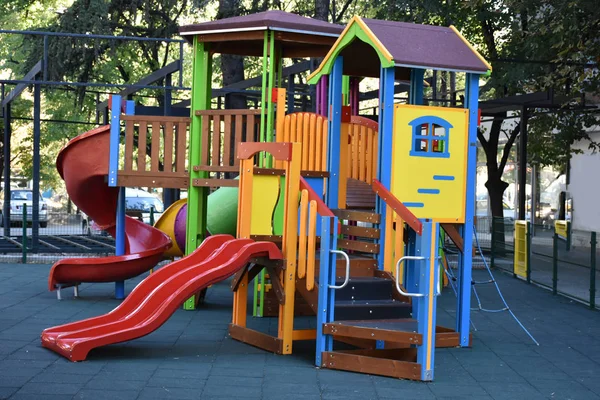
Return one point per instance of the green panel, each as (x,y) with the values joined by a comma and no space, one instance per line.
(279,210)
(353,33)
(197,196)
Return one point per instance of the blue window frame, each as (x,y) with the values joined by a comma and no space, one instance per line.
(430,137)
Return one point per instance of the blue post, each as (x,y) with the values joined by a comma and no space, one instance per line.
(326,295)
(120,240)
(466,260)
(386,133)
(416,86)
(334,130)
(426,273)
(115,133)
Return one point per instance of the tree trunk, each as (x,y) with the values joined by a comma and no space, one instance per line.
(496,187)
(322,10)
(232,66)
(233,72)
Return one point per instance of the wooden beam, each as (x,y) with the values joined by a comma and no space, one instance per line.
(171,180)
(371,365)
(360,332)
(452,231)
(215,183)
(256,338)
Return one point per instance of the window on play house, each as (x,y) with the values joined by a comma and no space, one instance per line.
(430,137)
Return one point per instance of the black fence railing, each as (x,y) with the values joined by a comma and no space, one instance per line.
(561,260)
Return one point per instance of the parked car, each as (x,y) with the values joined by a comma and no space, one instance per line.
(18,197)
(138,204)
(482,209)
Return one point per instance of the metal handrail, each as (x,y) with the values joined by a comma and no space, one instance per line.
(402,292)
(343,285)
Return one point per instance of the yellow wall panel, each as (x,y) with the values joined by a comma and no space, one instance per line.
(429,171)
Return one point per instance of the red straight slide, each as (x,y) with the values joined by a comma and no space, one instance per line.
(83,165)
(157,297)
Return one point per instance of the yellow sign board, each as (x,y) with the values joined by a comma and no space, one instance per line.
(430,161)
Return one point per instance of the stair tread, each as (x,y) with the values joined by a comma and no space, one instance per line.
(360,279)
(396,324)
(386,302)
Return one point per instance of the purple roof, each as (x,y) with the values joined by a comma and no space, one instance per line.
(274,20)
(425,46)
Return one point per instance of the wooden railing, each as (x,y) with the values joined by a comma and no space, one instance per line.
(310,129)
(311,204)
(222,130)
(161,144)
(362,163)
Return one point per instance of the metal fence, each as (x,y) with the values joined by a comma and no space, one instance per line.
(61,235)
(561,261)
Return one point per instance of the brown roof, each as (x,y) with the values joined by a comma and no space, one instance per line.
(296,36)
(273,20)
(426,46)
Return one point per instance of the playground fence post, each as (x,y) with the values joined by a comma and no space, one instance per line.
(528,250)
(24,239)
(555,263)
(151,215)
(493,245)
(593,244)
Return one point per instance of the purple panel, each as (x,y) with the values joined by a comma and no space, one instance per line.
(179,228)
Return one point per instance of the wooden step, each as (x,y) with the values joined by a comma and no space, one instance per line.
(365,288)
(360,265)
(359,216)
(395,363)
(371,309)
(399,330)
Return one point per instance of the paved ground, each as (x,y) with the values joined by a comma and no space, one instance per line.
(191,357)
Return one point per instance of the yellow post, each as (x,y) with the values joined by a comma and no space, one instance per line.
(520,258)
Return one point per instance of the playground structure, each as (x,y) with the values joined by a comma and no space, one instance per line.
(375,193)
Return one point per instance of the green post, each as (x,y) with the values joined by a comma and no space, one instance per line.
(346,90)
(493,245)
(263,95)
(151,215)
(24,239)
(593,244)
(197,196)
(528,233)
(555,263)
(273,63)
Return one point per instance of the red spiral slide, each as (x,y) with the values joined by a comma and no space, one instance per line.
(83,165)
(157,297)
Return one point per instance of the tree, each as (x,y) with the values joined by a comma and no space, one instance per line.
(533,46)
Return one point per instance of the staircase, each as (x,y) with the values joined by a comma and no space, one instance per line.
(373,327)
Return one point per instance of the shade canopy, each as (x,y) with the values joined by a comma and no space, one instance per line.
(295,36)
